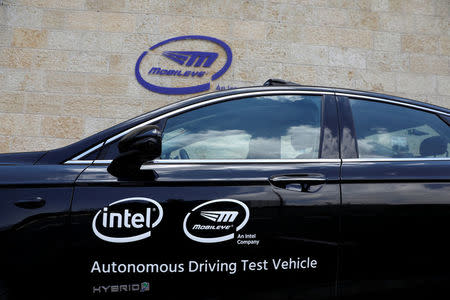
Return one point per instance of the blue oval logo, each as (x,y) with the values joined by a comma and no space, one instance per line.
(187,59)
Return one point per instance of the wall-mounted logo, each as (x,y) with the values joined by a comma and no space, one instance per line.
(158,68)
(127,220)
(216,220)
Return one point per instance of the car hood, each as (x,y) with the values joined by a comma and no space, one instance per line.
(23,158)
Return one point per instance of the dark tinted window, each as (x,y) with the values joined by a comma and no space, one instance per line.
(387,130)
(275,127)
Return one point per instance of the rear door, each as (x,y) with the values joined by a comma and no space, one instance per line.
(243,205)
(396,199)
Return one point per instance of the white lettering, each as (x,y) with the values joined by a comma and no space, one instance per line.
(111,220)
(126,217)
(136,219)
(96,267)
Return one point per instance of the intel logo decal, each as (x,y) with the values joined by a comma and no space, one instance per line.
(127,220)
(183,65)
(216,220)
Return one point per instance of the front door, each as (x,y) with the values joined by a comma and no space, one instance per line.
(243,205)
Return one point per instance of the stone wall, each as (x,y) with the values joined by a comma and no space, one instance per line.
(67,66)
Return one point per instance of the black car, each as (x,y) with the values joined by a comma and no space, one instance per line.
(274,192)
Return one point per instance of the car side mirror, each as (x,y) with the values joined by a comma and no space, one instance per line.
(136,147)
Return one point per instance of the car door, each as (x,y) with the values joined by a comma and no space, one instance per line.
(242,203)
(395,197)
(34,214)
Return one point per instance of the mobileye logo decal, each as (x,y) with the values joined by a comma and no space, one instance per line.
(127,220)
(181,57)
(216,220)
(182,64)
(220,216)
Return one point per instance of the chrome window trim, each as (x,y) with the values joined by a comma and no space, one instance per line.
(416,159)
(241,161)
(248,94)
(200,104)
(87,152)
(215,161)
(264,161)
(78,162)
(393,102)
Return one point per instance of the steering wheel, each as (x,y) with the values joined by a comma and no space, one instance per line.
(184,154)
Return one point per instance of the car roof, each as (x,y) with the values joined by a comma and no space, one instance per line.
(62,154)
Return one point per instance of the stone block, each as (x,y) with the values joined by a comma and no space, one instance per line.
(5,142)
(123,108)
(19,124)
(111,5)
(94,125)
(249,30)
(444,86)
(16,58)
(420,44)
(345,57)
(54,19)
(23,143)
(30,38)
(5,36)
(430,25)
(54,60)
(387,41)
(376,81)
(64,40)
(304,75)
(444,45)
(107,84)
(122,63)
(117,22)
(388,61)
(336,36)
(395,22)
(296,13)
(147,23)
(430,64)
(175,25)
(40,103)
(284,32)
(24,16)
(416,83)
(66,82)
(83,20)
(62,127)
(331,16)
(12,102)
(82,106)
(309,55)
(147,6)
(88,62)
(25,80)
(218,28)
(359,19)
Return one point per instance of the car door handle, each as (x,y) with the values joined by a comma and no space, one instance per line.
(30,203)
(298,182)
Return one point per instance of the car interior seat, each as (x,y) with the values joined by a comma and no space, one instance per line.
(433,146)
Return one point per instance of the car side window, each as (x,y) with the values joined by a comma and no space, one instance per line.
(268,127)
(392,131)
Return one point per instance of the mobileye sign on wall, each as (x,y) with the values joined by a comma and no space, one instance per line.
(183,65)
